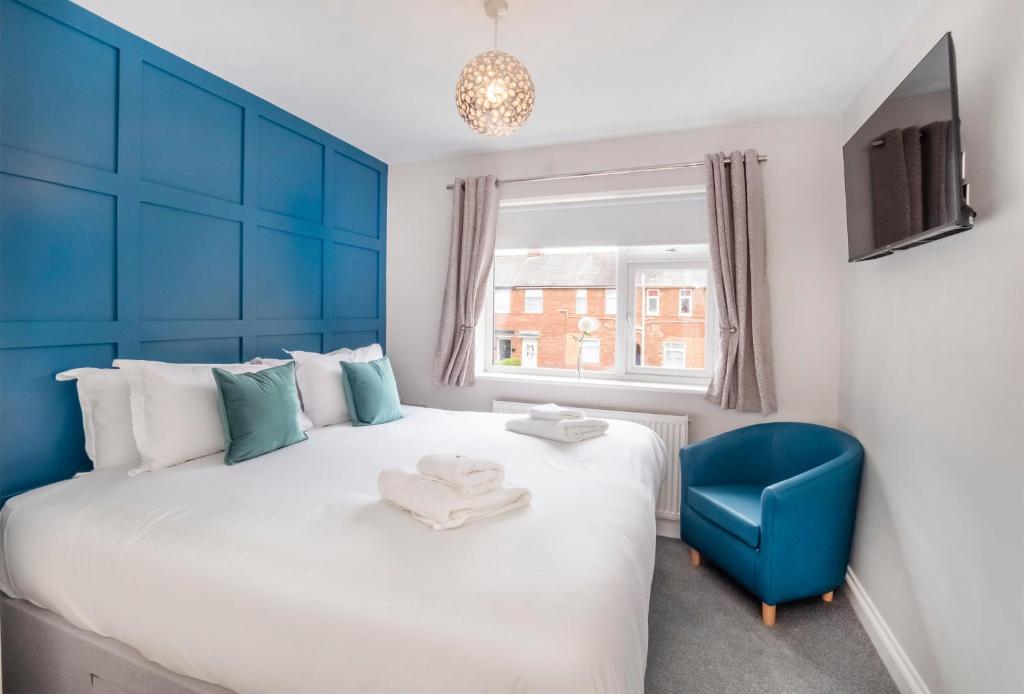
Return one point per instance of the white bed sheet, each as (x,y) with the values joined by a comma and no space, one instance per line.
(287,573)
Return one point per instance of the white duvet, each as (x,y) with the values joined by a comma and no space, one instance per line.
(286,573)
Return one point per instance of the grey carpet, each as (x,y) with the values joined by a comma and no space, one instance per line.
(706,636)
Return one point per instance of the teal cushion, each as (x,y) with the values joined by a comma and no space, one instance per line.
(371,391)
(260,411)
(735,508)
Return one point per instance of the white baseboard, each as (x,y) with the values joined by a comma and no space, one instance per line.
(903,672)
(668,527)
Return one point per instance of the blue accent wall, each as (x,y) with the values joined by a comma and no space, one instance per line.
(151,210)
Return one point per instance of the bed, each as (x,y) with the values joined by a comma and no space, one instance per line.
(287,573)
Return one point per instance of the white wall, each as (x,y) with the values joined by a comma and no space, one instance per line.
(804,201)
(932,383)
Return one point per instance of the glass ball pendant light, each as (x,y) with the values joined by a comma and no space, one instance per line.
(494,94)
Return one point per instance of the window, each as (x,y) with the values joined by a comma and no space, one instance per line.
(544,325)
(611,302)
(674,355)
(653,302)
(535,301)
(502,300)
(635,264)
(686,301)
(670,343)
(635,341)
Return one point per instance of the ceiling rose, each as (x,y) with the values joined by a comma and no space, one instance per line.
(494,94)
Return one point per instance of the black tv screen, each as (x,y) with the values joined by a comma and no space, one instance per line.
(904,166)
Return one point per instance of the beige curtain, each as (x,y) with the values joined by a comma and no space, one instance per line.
(744,378)
(470,256)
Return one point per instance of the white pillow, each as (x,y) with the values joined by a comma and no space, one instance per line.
(106,416)
(344,351)
(320,385)
(268,361)
(176,410)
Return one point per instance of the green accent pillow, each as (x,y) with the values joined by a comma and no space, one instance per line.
(260,411)
(371,392)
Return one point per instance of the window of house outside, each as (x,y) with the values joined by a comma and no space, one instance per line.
(674,354)
(611,302)
(685,302)
(534,300)
(502,301)
(548,287)
(653,302)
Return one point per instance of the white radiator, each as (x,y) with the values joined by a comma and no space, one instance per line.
(672,430)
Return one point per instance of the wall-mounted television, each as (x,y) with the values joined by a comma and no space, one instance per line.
(905,166)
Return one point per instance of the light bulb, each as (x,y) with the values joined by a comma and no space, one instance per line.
(496,92)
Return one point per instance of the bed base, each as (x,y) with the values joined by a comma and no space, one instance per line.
(43,653)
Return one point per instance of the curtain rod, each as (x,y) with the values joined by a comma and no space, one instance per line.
(608,172)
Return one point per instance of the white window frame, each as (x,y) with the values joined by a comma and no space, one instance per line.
(676,347)
(596,344)
(533,294)
(506,304)
(657,301)
(628,262)
(688,292)
(611,296)
(581,294)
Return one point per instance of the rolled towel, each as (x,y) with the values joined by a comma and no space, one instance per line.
(555,412)
(469,475)
(441,506)
(564,430)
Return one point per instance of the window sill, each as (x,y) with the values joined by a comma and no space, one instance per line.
(608,383)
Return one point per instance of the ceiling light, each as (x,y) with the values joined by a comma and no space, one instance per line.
(494,93)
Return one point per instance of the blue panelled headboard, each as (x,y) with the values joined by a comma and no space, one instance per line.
(151,210)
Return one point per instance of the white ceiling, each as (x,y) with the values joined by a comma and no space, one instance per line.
(380,74)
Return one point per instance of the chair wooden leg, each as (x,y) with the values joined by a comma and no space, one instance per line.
(768,614)
(827,597)
(694,557)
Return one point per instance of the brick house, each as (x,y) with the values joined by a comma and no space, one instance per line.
(539,299)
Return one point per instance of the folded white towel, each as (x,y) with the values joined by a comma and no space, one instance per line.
(556,412)
(564,430)
(467,474)
(442,507)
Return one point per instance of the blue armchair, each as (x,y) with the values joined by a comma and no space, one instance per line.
(773,505)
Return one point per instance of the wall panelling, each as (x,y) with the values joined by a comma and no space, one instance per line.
(149,209)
